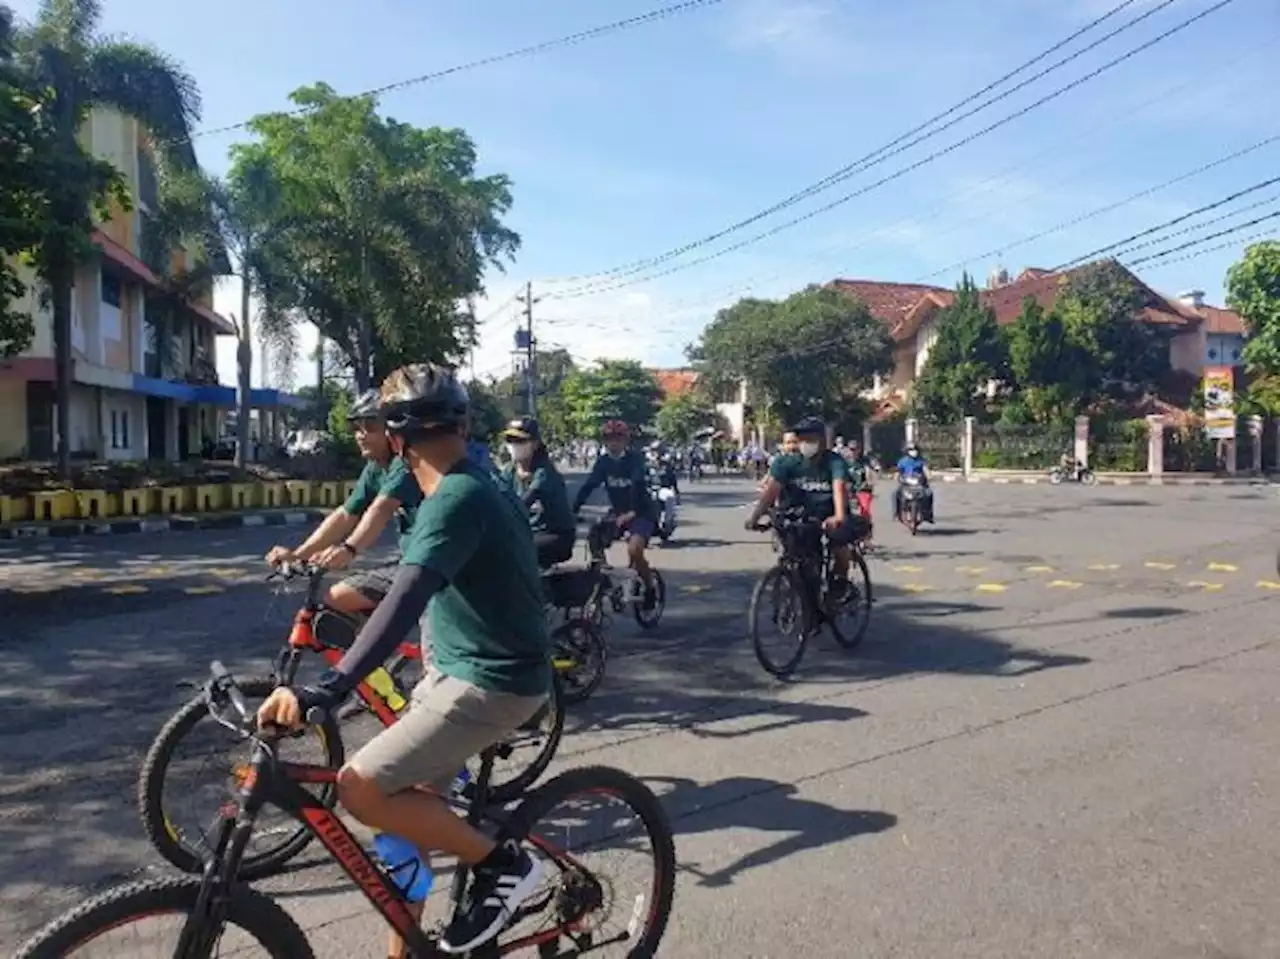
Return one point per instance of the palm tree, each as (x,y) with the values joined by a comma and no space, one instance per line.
(78,69)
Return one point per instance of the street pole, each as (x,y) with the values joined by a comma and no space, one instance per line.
(531,355)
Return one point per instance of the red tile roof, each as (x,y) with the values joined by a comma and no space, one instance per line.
(1218,320)
(888,302)
(675,382)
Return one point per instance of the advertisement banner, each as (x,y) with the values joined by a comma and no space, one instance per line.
(1219,403)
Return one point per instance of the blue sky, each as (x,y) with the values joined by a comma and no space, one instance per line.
(626,146)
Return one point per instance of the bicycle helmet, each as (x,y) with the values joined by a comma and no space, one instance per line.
(616,429)
(524,429)
(810,426)
(424,397)
(366,406)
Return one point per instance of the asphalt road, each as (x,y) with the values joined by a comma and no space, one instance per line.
(1058,740)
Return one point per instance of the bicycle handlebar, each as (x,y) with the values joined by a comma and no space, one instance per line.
(295,569)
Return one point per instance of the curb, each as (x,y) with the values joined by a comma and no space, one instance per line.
(1137,479)
(167,524)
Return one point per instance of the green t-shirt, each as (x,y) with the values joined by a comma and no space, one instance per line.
(488,626)
(545,496)
(810,482)
(859,474)
(395,481)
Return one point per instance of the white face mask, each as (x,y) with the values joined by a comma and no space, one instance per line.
(520,452)
(809,449)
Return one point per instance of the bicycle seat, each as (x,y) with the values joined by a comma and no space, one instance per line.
(569,588)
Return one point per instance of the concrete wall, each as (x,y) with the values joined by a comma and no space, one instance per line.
(124,425)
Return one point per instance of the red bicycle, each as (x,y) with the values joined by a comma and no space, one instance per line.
(326,632)
(567,917)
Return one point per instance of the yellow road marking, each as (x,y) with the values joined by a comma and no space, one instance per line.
(1065,584)
(126,590)
(226,572)
(991,587)
(1160,565)
(971,570)
(1222,568)
(915,588)
(202,590)
(694,588)
(908,569)
(1038,569)
(1103,566)
(1205,585)
(1268,584)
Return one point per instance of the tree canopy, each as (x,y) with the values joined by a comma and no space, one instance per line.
(682,415)
(808,353)
(967,354)
(1253,291)
(23,201)
(614,389)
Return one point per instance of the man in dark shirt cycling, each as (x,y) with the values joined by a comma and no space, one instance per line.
(625,476)
(816,480)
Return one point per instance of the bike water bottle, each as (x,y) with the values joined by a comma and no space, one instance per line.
(462,781)
(385,687)
(405,865)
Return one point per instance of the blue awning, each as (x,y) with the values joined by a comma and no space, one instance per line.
(212,395)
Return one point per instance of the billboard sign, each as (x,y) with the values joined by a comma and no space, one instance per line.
(1219,403)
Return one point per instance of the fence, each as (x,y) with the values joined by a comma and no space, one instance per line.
(887,440)
(1119,446)
(1036,447)
(942,446)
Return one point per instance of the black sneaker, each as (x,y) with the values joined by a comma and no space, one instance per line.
(496,892)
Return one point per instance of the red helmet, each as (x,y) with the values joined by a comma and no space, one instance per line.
(616,429)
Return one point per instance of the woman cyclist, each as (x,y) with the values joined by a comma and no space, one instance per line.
(534,478)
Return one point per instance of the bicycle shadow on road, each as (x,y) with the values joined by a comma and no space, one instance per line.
(762,805)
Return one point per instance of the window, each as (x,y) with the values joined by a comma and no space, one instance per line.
(1213,354)
(119,429)
(111,290)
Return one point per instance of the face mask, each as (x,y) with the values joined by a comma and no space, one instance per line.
(520,452)
(615,454)
(808,449)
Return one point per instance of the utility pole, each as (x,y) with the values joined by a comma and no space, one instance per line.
(526,344)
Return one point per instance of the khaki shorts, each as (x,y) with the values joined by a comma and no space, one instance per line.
(448,721)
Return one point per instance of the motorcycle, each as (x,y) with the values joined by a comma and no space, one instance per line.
(1079,473)
(668,512)
(913,492)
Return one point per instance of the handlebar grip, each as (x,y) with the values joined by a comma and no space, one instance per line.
(316,715)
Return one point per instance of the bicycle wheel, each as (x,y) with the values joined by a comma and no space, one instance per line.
(790,614)
(257,918)
(856,606)
(579,656)
(533,745)
(187,851)
(553,823)
(649,618)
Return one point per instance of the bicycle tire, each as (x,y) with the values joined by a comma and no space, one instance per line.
(151,780)
(585,642)
(651,618)
(255,913)
(763,588)
(642,800)
(854,640)
(512,789)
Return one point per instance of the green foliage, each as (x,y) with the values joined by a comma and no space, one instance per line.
(615,389)
(382,229)
(968,353)
(487,415)
(1118,445)
(553,367)
(1253,291)
(681,416)
(809,353)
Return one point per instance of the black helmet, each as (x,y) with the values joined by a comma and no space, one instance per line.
(367,406)
(810,426)
(424,395)
(523,429)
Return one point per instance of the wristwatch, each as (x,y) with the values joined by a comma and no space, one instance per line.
(351,549)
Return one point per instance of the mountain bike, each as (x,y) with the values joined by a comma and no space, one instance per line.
(316,630)
(618,588)
(805,594)
(579,651)
(570,910)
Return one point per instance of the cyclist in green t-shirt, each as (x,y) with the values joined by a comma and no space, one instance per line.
(533,477)
(385,489)
(470,564)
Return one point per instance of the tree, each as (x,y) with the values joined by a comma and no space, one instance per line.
(968,354)
(74,70)
(1253,291)
(614,390)
(804,354)
(386,229)
(487,414)
(1044,366)
(681,416)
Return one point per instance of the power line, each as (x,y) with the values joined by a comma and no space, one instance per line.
(887,151)
(1196,227)
(930,158)
(572,39)
(1160,227)
(1231,244)
(1205,239)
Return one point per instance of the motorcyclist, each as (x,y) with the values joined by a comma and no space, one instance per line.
(533,477)
(816,479)
(913,464)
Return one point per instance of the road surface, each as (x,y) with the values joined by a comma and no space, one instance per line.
(1058,740)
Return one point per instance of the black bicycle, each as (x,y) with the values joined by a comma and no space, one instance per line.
(805,595)
(618,588)
(564,919)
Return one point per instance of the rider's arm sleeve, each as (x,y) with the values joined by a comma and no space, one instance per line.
(393,619)
(589,485)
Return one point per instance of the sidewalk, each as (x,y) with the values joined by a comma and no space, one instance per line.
(162,524)
(1034,477)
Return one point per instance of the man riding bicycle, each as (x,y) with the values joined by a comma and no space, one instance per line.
(386,488)
(470,562)
(625,477)
(816,481)
(533,477)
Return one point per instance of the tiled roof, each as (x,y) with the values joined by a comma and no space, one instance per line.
(1218,320)
(888,302)
(675,382)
